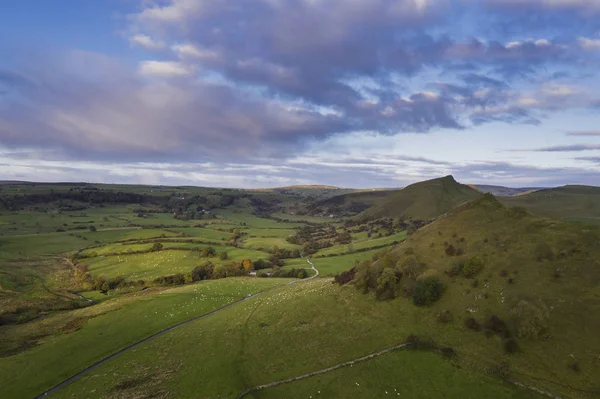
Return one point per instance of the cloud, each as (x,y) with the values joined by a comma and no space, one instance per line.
(146,42)
(566,148)
(164,69)
(584,133)
(589,44)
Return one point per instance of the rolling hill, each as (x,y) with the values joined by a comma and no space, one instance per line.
(568,202)
(501,191)
(538,276)
(349,204)
(422,201)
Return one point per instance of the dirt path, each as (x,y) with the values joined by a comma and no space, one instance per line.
(323,371)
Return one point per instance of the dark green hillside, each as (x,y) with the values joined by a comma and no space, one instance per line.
(422,201)
(350,204)
(530,284)
(568,202)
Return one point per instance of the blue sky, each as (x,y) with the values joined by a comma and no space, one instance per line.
(257,93)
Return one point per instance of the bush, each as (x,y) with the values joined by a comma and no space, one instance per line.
(157,246)
(420,343)
(223,256)
(93,228)
(450,250)
(472,324)
(203,272)
(448,353)
(496,325)
(345,277)
(427,291)
(472,267)
(511,345)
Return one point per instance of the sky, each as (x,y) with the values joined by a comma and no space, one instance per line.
(267,93)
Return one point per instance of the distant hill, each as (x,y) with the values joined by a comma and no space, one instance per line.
(422,201)
(568,202)
(539,275)
(349,204)
(500,191)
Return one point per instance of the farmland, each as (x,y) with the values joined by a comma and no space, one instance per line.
(78,285)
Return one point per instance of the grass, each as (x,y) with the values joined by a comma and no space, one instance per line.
(422,201)
(399,375)
(149,266)
(291,331)
(268,243)
(369,243)
(333,265)
(108,327)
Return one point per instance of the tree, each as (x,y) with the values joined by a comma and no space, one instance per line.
(203,272)
(223,256)
(92,228)
(247,265)
(410,267)
(157,247)
(427,291)
(387,284)
(531,319)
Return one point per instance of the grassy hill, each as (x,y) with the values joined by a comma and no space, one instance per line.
(422,201)
(540,277)
(568,202)
(349,204)
(501,191)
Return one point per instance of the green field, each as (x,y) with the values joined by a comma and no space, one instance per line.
(58,315)
(288,332)
(108,327)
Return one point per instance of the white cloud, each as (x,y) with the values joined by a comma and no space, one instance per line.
(589,44)
(146,42)
(163,69)
(190,51)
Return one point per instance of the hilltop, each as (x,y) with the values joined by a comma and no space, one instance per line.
(422,201)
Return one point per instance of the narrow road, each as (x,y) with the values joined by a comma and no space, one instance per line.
(158,334)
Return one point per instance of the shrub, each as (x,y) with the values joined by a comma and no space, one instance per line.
(448,353)
(427,291)
(93,228)
(472,324)
(496,325)
(450,250)
(345,277)
(157,246)
(203,272)
(456,269)
(420,343)
(472,267)
(511,345)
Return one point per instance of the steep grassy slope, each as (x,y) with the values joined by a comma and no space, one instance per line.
(568,202)
(537,273)
(422,201)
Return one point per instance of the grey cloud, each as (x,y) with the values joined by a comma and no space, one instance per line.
(587,133)
(566,148)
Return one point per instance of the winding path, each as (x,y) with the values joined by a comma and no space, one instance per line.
(107,359)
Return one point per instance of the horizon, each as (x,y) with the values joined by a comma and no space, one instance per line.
(371,94)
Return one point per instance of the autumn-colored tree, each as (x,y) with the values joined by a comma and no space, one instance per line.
(247,265)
